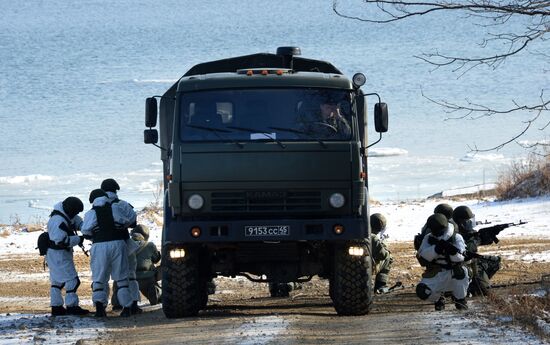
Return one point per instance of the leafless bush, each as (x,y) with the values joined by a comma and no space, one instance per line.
(524,307)
(525,179)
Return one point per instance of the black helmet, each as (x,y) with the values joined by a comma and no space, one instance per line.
(141,229)
(72,206)
(377,223)
(461,213)
(445,209)
(96,193)
(437,223)
(110,185)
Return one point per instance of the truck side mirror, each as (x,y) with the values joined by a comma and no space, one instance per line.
(381,117)
(150,136)
(151,112)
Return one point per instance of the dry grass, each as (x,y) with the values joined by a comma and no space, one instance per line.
(525,179)
(526,308)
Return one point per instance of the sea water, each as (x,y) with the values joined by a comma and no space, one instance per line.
(74,76)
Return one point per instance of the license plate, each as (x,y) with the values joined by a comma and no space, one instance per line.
(267,230)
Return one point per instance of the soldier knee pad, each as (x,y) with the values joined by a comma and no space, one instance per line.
(423,291)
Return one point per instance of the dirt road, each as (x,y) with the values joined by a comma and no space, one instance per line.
(398,318)
(241,312)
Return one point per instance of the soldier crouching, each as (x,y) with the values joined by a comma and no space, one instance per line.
(442,250)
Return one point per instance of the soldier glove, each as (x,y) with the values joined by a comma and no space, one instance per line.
(440,248)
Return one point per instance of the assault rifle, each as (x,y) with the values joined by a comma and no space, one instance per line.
(443,245)
(489,234)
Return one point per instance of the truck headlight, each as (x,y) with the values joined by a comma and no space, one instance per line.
(177,253)
(195,201)
(337,200)
(356,251)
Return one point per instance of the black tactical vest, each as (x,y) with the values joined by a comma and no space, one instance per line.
(106,230)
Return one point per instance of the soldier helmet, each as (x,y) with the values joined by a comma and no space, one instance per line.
(445,209)
(437,223)
(464,217)
(96,193)
(72,206)
(137,237)
(461,213)
(141,229)
(377,223)
(110,185)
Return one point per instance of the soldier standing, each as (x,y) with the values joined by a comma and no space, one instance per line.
(482,267)
(111,187)
(381,255)
(62,225)
(106,225)
(442,251)
(147,256)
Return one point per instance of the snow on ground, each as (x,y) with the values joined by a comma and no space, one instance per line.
(42,328)
(404,221)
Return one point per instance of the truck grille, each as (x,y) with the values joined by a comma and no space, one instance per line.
(266,201)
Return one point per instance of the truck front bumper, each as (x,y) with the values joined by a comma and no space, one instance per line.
(181,231)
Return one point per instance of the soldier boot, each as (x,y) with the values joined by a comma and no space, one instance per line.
(126,312)
(440,304)
(58,311)
(100,310)
(77,311)
(135,309)
(461,304)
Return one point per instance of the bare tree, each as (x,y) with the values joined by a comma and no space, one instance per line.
(489,14)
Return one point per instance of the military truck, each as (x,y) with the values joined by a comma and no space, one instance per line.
(260,182)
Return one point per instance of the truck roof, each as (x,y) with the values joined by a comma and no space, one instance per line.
(307,73)
(261,60)
(267,80)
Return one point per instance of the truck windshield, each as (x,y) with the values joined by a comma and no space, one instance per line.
(266,114)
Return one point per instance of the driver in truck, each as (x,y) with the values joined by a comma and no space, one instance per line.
(331,115)
(325,118)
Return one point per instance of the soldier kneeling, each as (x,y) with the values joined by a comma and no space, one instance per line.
(442,250)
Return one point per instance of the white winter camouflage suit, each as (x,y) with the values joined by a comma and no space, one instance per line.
(443,281)
(109,258)
(132,247)
(60,261)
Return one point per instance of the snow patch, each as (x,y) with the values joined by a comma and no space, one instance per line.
(42,328)
(478,157)
(262,330)
(387,152)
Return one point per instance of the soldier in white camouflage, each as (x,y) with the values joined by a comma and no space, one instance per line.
(62,226)
(443,252)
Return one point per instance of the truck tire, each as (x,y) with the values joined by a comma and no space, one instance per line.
(351,287)
(182,289)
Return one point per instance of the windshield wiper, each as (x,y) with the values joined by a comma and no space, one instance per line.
(216,132)
(252,130)
(297,131)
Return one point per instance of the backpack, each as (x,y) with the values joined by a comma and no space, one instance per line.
(43,243)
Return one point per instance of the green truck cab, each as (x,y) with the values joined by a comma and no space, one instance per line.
(265,176)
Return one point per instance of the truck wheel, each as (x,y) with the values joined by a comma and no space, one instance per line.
(351,283)
(182,290)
